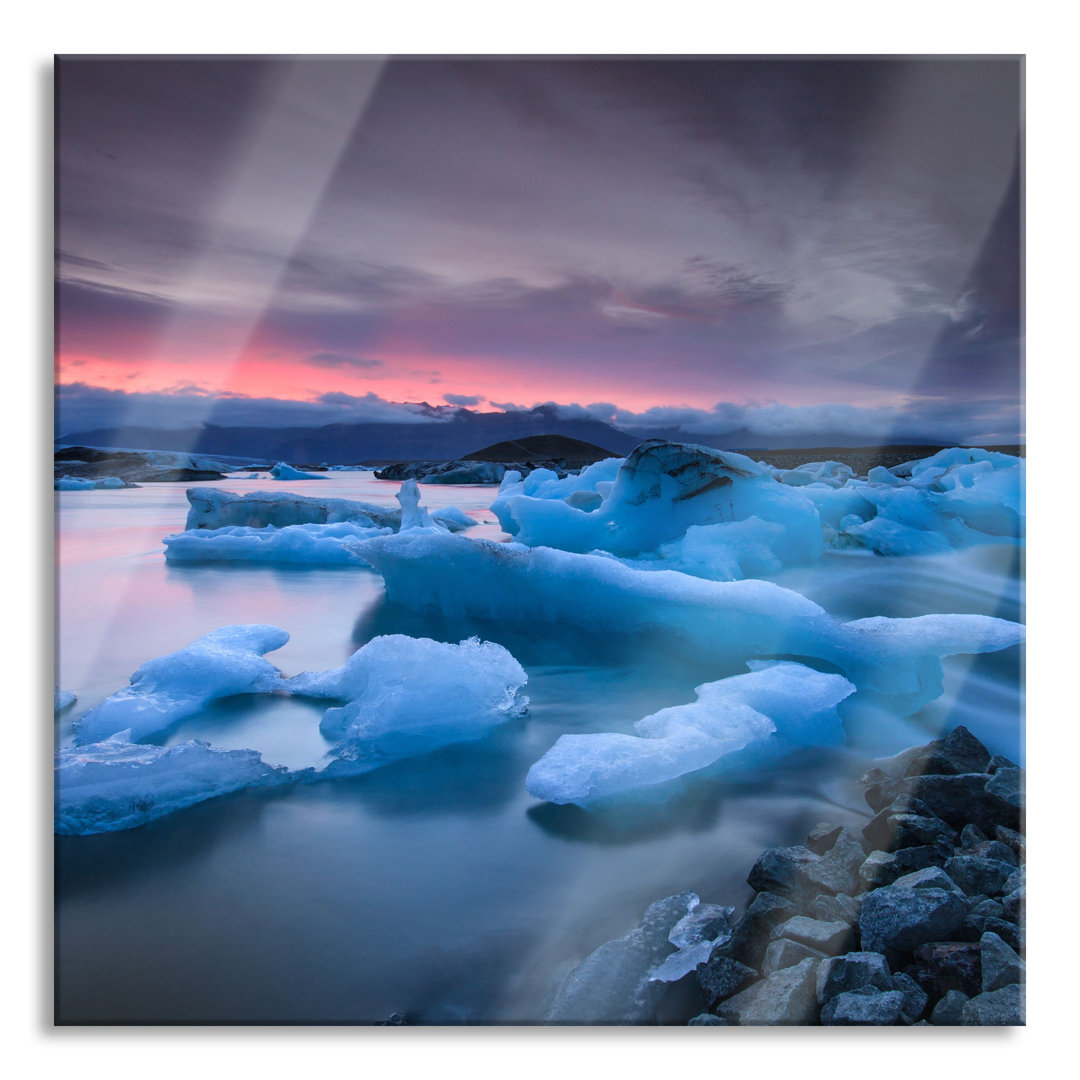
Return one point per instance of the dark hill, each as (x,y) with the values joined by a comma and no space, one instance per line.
(542,448)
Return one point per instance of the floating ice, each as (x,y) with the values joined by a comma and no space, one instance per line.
(413,515)
(656,495)
(409,695)
(77,483)
(62,699)
(694,937)
(117,784)
(896,660)
(795,702)
(310,545)
(284,471)
(214,509)
(164,690)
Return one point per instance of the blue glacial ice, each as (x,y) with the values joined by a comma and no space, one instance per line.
(164,690)
(280,527)
(284,471)
(719,515)
(895,661)
(406,696)
(79,483)
(776,707)
(117,784)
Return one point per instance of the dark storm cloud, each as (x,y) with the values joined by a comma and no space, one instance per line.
(810,229)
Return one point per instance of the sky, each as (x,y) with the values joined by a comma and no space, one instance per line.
(789,246)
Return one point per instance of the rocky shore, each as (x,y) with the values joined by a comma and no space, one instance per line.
(918,920)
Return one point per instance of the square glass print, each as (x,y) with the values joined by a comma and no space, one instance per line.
(539,541)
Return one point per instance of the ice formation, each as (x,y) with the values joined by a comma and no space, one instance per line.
(659,492)
(284,471)
(777,706)
(164,690)
(62,699)
(77,483)
(409,695)
(211,508)
(897,661)
(117,784)
(413,515)
(694,936)
(310,545)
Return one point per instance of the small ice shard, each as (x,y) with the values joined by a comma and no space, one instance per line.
(307,545)
(117,784)
(410,695)
(164,690)
(694,937)
(284,471)
(612,985)
(62,699)
(413,515)
(791,700)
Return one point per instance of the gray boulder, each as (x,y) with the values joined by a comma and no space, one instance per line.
(721,977)
(1001,966)
(915,998)
(930,877)
(868,1006)
(976,874)
(786,997)
(899,919)
(1005,1007)
(822,837)
(950,965)
(751,935)
(971,836)
(838,908)
(852,972)
(1013,903)
(828,938)
(958,752)
(785,953)
(948,1010)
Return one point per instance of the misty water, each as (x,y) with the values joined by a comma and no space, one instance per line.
(436,886)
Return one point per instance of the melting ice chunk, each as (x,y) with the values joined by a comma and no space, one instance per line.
(309,545)
(117,784)
(409,695)
(791,700)
(164,690)
(284,471)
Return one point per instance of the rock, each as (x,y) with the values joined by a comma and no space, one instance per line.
(972,836)
(1017,879)
(960,799)
(787,997)
(785,953)
(1008,786)
(829,938)
(1001,966)
(781,870)
(978,874)
(999,762)
(948,1010)
(838,908)
(867,1006)
(851,972)
(1010,933)
(898,919)
(890,831)
(915,998)
(881,790)
(393,1020)
(1013,839)
(1013,903)
(959,752)
(751,935)
(883,868)
(995,849)
(706,1020)
(997,1007)
(988,909)
(822,837)
(950,965)
(930,877)
(721,977)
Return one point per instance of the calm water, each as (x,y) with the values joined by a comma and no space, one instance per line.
(437,886)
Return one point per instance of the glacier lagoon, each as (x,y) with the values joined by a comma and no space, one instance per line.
(435,886)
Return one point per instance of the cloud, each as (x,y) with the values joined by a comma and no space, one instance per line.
(464,399)
(341,360)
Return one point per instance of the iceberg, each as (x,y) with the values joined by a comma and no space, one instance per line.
(787,704)
(77,483)
(284,471)
(62,699)
(409,695)
(655,496)
(309,545)
(897,661)
(213,509)
(164,690)
(117,784)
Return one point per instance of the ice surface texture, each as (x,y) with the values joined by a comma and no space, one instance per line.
(164,690)
(894,660)
(719,515)
(776,707)
(76,483)
(117,784)
(409,695)
(308,545)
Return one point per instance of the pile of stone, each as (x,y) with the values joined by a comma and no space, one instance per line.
(920,920)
